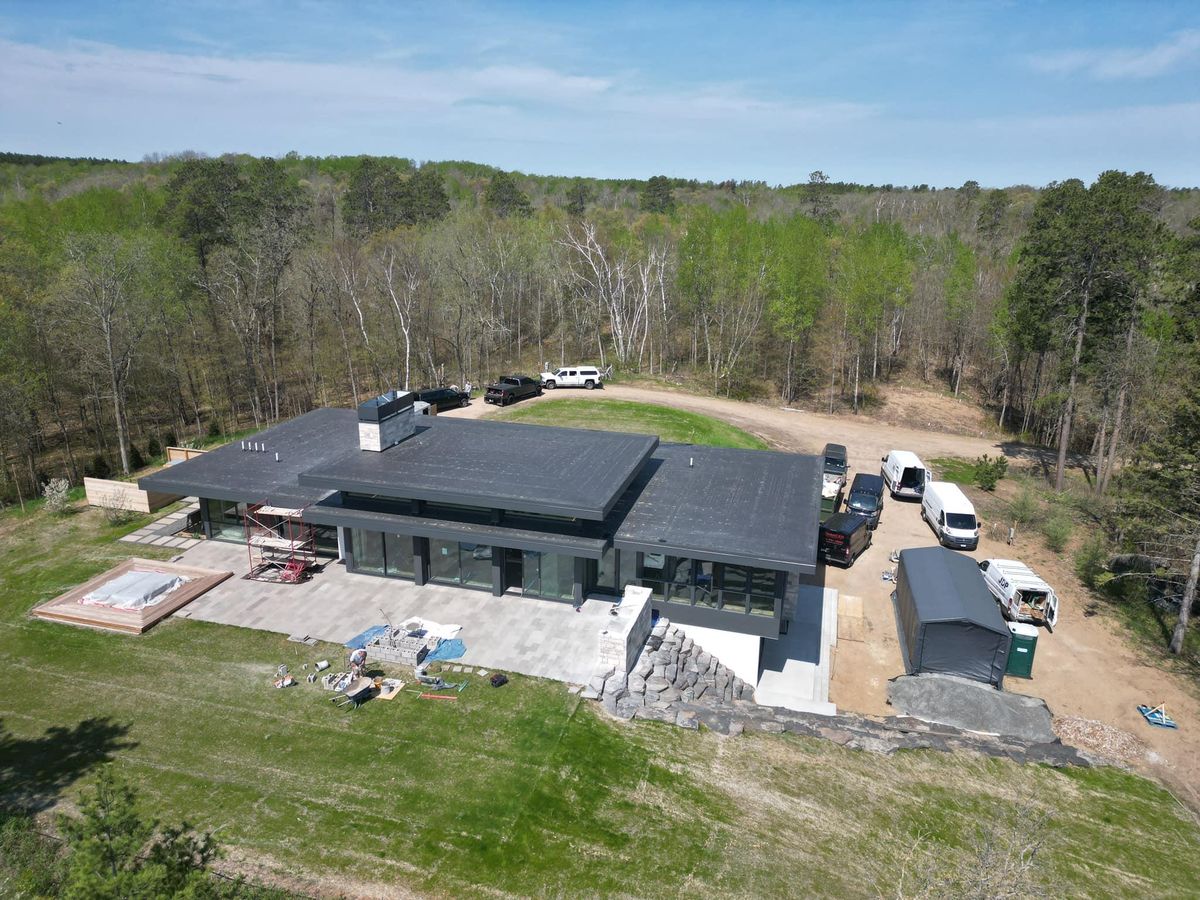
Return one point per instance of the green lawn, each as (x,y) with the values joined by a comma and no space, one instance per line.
(641,418)
(524,790)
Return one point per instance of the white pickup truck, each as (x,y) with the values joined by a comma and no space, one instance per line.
(573,376)
(1021,592)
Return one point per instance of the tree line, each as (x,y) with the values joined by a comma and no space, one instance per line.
(155,303)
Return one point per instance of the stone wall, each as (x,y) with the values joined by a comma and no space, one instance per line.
(622,640)
(670,669)
(675,681)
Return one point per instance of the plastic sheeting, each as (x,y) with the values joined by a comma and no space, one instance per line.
(451,649)
(134,590)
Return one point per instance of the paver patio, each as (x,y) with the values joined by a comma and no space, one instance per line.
(543,638)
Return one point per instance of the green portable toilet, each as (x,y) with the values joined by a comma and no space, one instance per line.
(1020,652)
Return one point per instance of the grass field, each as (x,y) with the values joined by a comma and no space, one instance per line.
(641,418)
(522,790)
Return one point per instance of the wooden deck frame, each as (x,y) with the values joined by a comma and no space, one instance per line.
(67,608)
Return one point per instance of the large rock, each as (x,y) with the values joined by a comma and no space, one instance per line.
(636,684)
(614,686)
(972,706)
(703,660)
(670,695)
(657,684)
(671,673)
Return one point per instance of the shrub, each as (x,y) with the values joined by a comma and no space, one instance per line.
(136,460)
(115,515)
(1024,507)
(153,447)
(988,471)
(58,496)
(1090,562)
(214,429)
(1057,532)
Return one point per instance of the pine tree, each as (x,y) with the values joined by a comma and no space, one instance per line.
(657,195)
(505,199)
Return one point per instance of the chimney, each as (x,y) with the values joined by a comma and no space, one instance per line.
(386,420)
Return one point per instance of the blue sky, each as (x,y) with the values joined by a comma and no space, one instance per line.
(1002,92)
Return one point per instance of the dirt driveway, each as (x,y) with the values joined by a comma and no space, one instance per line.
(1084,669)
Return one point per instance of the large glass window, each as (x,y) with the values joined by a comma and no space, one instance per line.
(226,518)
(443,561)
(606,572)
(705,590)
(476,564)
(367,547)
(398,553)
(548,575)
(746,589)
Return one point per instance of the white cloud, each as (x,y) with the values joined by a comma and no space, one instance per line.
(1121,63)
(117,101)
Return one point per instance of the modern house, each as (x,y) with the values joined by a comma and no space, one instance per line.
(550,512)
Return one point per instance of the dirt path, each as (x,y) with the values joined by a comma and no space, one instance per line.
(866,438)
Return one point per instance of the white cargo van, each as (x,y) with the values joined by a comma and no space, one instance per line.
(950,514)
(904,474)
(1021,592)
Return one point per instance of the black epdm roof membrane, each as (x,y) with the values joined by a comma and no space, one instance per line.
(752,507)
(527,468)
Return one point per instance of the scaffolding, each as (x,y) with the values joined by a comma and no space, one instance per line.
(282,547)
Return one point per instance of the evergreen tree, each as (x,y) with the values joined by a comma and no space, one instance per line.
(116,853)
(657,195)
(579,195)
(505,199)
(423,198)
(373,197)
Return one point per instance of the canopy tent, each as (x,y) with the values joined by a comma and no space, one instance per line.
(948,621)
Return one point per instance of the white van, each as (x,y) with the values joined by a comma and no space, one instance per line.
(950,514)
(904,474)
(1021,592)
(573,376)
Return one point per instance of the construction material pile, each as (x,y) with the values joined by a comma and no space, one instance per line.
(1103,740)
(133,590)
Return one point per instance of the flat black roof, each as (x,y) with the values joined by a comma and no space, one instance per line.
(358,512)
(745,507)
(231,473)
(503,465)
(948,587)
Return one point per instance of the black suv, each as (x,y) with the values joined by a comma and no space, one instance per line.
(443,398)
(866,498)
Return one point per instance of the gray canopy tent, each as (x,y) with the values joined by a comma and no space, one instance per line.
(948,621)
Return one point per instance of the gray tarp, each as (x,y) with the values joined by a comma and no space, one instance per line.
(134,590)
(948,621)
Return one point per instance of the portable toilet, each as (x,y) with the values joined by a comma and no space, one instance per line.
(1022,649)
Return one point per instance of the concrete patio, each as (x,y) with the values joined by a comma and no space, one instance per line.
(542,638)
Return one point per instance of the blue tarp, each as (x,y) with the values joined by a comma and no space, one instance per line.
(451,649)
(359,641)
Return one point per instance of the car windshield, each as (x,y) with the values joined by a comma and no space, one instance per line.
(863,502)
(965,521)
(834,465)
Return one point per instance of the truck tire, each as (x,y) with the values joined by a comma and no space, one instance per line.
(590,385)
(550,385)
(539,392)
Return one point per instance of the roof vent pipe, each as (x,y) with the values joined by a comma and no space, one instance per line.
(691,462)
(276,456)
(243,446)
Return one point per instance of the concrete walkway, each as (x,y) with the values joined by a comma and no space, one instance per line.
(543,638)
(164,531)
(794,671)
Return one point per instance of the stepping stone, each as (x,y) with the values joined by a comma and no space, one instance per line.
(469,669)
(456,668)
(483,673)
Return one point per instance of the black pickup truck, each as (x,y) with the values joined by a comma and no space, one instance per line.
(511,388)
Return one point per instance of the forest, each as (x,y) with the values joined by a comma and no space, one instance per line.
(185,297)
